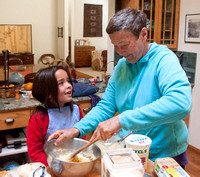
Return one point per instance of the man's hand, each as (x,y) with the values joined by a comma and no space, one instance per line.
(106,129)
(64,134)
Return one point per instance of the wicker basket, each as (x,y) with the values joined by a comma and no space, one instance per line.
(8,92)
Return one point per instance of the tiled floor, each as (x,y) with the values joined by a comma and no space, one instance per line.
(89,71)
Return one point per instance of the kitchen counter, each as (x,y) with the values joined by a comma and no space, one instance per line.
(12,104)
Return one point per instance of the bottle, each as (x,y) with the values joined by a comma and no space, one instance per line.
(17,96)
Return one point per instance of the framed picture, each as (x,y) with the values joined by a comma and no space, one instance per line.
(192,28)
(92,20)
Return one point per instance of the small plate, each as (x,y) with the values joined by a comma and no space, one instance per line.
(25,92)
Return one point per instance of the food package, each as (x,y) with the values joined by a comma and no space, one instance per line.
(27,170)
(121,162)
(168,167)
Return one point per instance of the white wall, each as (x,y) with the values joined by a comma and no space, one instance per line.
(110,54)
(61,17)
(192,7)
(77,24)
(45,16)
(42,16)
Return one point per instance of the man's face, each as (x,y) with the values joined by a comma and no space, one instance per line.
(128,46)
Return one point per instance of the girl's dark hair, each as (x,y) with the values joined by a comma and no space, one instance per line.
(45,87)
(127,19)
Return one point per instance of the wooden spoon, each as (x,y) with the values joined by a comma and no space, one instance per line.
(81,149)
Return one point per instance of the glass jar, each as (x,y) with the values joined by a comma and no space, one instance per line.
(110,144)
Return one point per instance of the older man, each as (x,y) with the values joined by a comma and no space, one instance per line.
(148,88)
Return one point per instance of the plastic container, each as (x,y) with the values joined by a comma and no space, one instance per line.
(121,162)
(110,144)
(140,144)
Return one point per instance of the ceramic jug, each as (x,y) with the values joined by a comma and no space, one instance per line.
(16,77)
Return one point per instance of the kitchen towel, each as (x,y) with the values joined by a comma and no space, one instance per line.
(94,100)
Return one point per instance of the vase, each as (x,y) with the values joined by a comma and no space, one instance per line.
(16,77)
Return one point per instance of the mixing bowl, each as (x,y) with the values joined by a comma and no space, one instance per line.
(70,169)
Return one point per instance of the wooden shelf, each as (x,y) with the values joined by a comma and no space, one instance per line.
(167,30)
(168,12)
(146,10)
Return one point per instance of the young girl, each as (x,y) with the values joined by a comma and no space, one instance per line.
(52,86)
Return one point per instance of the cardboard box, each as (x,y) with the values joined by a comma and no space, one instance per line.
(168,167)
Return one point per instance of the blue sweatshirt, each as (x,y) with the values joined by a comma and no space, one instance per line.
(152,97)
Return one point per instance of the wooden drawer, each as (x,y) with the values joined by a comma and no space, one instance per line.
(87,106)
(84,105)
(83,55)
(14,119)
(28,58)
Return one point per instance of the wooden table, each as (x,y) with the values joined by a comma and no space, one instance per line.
(96,172)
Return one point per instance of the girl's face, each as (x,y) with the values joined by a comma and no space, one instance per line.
(64,87)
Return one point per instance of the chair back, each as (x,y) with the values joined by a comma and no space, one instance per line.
(29,77)
(46,59)
(15,61)
(60,62)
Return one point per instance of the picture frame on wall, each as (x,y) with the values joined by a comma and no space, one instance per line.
(92,26)
(192,28)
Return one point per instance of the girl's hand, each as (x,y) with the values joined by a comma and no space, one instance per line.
(106,129)
(64,134)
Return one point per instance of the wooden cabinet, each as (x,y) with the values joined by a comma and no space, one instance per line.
(163,19)
(15,119)
(27,58)
(85,105)
(83,56)
(19,118)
